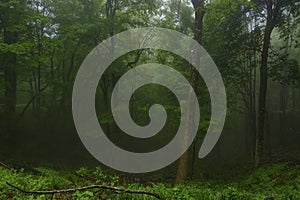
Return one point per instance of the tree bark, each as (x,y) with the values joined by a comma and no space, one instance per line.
(184,161)
(263,91)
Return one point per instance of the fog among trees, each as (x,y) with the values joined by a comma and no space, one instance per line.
(255,45)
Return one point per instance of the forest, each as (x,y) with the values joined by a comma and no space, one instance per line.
(46,47)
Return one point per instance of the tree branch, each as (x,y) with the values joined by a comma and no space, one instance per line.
(123,190)
(31,100)
(4,165)
(137,58)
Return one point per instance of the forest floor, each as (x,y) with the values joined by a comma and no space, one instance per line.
(280,181)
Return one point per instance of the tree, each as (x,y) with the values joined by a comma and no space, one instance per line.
(233,40)
(273,12)
(183,166)
(12,24)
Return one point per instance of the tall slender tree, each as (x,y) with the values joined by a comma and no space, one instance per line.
(12,23)
(273,12)
(183,166)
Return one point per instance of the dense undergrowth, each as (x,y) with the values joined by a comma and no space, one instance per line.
(281,181)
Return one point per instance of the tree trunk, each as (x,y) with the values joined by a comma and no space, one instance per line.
(184,161)
(253,109)
(283,94)
(10,78)
(263,92)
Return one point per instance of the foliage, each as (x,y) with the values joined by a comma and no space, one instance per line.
(49,39)
(281,181)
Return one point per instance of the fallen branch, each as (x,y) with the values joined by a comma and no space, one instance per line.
(4,165)
(87,188)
